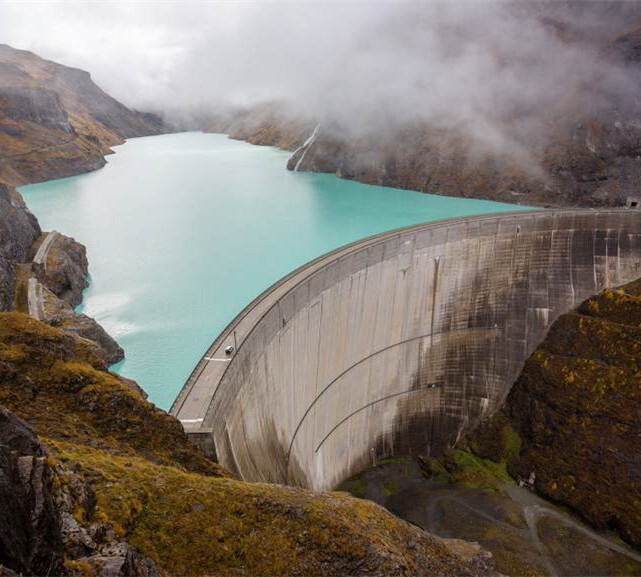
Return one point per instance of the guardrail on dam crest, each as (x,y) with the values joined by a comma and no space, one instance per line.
(398,343)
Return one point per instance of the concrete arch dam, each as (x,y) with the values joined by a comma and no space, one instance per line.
(396,344)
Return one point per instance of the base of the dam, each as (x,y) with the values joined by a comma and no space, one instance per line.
(525,534)
(398,344)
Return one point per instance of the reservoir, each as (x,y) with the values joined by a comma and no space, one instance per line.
(184,230)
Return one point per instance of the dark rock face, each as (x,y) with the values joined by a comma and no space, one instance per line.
(629,45)
(7,284)
(66,270)
(18,230)
(30,535)
(38,525)
(577,407)
(18,436)
(18,227)
(34,105)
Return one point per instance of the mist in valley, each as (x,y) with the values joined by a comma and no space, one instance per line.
(499,74)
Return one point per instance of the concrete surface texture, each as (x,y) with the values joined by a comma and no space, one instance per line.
(397,344)
(45,247)
(35,297)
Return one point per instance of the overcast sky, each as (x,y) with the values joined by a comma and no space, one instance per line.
(144,53)
(469,63)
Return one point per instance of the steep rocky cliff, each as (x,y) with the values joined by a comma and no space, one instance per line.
(18,231)
(577,406)
(573,418)
(65,269)
(112,486)
(29,531)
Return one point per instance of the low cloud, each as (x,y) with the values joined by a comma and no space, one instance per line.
(494,71)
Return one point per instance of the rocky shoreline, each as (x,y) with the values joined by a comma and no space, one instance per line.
(54,122)
(63,277)
(57,282)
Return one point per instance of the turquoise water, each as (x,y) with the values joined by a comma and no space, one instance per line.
(184,230)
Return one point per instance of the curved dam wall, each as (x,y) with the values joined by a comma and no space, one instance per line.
(398,344)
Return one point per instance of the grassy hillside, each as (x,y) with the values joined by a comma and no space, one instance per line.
(154,489)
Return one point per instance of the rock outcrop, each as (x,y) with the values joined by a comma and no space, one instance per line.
(63,275)
(573,416)
(132,496)
(59,314)
(40,533)
(58,265)
(66,270)
(18,231)
(577,407)
(30,536)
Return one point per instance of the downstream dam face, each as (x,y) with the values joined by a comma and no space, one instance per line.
(396,345)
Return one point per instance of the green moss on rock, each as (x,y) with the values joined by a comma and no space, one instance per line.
(577,407)
(463,467)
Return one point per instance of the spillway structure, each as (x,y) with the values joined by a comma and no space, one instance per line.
(397,344)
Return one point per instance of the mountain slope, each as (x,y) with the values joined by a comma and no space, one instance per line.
(576,408)
(55,122)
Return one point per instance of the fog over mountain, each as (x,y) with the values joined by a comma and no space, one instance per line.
(490,69)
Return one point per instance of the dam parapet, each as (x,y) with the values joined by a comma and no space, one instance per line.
(397,344)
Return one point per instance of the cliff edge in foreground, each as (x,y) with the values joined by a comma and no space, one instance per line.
(112,486)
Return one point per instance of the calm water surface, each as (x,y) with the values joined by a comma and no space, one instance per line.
(182,231)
